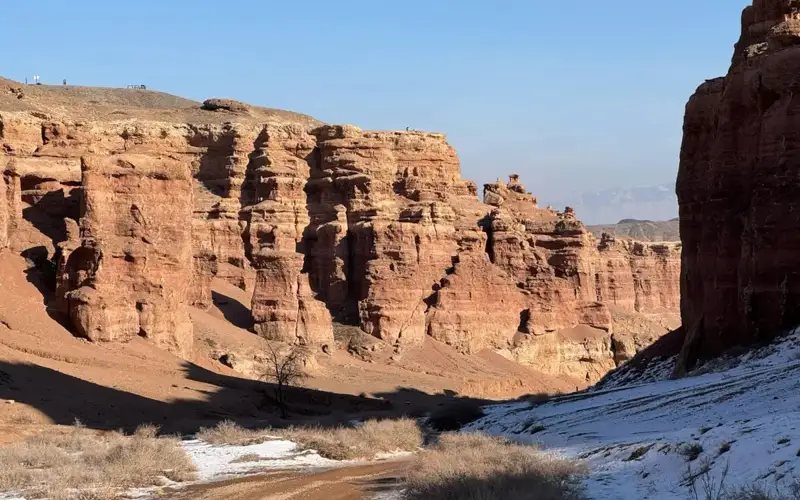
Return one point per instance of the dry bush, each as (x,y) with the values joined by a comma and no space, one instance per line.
(362,441)
(228,432)
(538,398)
(85,464)
(359,442)
(466,466)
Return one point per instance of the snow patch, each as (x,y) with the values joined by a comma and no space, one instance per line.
(216,462)
(737,414)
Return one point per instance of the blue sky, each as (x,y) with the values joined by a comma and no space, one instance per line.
(575,96)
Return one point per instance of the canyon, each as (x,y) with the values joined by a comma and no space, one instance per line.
(139,213)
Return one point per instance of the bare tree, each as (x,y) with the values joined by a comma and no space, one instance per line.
(284,369)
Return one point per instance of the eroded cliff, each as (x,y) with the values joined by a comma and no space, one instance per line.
(737,190)
(321,224)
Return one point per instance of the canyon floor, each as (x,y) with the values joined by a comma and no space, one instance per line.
(48,376)
(731,424)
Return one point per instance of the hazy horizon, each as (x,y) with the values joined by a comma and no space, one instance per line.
(578,103)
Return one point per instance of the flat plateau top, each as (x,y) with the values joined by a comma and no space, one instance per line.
(117,104)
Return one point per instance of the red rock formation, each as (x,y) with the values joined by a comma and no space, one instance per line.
(384,201)
(4,205)
(284,306)
(637,277)
(373,228)
(737,190)
(130,273)
(575,287)
(477,306)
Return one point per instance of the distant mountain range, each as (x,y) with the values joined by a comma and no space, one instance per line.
(643,203)
(642,230)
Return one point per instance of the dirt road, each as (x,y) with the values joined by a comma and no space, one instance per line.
(346,483)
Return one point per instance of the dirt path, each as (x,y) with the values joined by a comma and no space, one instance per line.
(346,483)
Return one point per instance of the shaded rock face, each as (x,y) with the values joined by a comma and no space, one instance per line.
(737,190)
(374,229)
(127,273)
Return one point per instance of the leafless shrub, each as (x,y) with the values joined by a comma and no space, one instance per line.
(284,369)
(478,467)
(701,482)
(86,464)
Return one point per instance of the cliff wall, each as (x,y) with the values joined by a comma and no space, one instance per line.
(737,190)
(321,223)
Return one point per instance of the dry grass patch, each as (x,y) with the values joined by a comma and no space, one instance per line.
(361,441)
(85,464)
(229,432)
(464,466)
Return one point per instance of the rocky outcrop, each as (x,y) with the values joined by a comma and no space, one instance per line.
(323,224)
(284,306)
(737,191)
(477,305)
(575,287)
(636,276)
(128,274)
(383,209)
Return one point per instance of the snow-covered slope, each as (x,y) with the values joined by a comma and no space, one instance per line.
(643,441)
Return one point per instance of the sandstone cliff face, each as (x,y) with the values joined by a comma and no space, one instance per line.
(737,190)
(384,225)
(322,224)
(576,288)
(284,306)
(128,274)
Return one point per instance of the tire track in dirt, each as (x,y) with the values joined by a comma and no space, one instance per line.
(345,483)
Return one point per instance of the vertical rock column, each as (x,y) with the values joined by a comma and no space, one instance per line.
(394,224)
(284,307)
(129,274)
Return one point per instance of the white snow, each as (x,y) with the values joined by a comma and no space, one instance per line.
(216,462)
(750,402)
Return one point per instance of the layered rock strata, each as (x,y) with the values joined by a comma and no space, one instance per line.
(322,223)
(575,287)
(284,306)
(129,272)
(384,225)
(737,191)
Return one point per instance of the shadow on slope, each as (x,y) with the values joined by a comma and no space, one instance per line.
(234,311)
(64,398)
